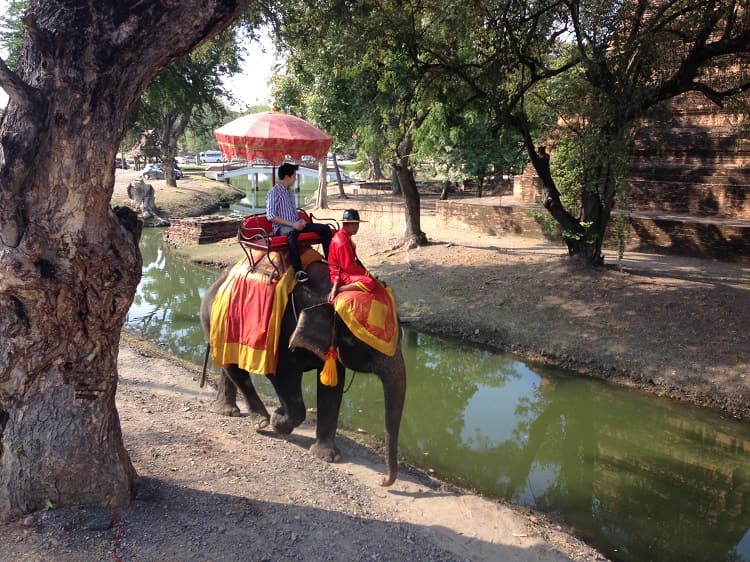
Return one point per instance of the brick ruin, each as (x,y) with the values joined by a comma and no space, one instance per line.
(201,230)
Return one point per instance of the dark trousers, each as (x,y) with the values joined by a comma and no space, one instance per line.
(321,230)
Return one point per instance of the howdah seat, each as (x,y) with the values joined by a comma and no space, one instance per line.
(256,233)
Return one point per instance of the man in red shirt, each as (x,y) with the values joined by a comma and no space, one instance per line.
(347,272)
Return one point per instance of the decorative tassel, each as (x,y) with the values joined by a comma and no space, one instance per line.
(329,375)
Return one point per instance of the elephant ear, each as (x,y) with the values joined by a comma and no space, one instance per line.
(314,330)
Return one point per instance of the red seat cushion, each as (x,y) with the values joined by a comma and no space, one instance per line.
(255,225)
(257,229)
(277,242)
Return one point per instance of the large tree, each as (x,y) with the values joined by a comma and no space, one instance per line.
(69,264)
(317,84)
(620,61)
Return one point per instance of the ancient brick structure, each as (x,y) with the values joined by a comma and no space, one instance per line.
(700,165)
(201,230)
(528,187)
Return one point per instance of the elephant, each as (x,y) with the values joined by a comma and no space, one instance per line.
(307,327)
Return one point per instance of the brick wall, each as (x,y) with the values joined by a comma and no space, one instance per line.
(495,220)
(710,239)
(727,240)
(201,230)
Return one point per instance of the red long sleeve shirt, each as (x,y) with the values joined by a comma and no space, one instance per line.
(344,265)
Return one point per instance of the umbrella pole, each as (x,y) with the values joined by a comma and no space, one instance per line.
(273,175)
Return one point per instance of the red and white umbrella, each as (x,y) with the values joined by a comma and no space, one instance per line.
(272,136)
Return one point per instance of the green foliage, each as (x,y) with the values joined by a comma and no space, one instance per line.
(465,146)
(352,72)
(199,134)
(549,226)
(581,236)
(11,31)
(567,168)
(189,92)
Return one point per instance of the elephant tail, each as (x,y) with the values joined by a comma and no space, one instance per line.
(205,365)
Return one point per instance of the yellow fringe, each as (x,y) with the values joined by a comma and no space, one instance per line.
(329,375)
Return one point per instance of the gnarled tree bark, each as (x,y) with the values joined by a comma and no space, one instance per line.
(69,264)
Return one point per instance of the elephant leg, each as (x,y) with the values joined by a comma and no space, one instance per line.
(235,378)
(225,403)
(329,404)
(292,411)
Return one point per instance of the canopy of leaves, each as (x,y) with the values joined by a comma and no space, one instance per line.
(11,31)
(190,91)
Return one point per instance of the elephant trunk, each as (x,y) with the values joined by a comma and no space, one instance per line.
(394,393)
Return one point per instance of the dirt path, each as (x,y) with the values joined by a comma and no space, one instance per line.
(212,489)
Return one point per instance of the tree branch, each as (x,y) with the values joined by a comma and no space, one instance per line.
(20,93)
(717,96)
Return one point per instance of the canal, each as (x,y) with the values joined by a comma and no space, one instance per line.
(639,477)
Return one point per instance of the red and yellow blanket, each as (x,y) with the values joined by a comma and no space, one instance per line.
(247,312)
(371,317)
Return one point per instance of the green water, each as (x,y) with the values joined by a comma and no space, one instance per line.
(640,478)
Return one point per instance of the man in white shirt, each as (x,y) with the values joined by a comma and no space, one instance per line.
(282,212)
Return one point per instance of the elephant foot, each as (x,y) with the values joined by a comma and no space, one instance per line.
(283,424)
(326,451)
(224,409)
(259,421)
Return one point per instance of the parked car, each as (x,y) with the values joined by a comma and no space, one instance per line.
(155,172)
(211,157)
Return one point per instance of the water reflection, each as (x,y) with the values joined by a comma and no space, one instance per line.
(166,303)
(639,477)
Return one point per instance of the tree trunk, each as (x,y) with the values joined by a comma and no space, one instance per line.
(413,235)
(444,191)
(573,231)
(374,169)
(395,185)
(69,263)
(342,193)
(322,199)
(173,126)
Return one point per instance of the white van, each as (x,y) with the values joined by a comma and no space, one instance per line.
(211,157)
